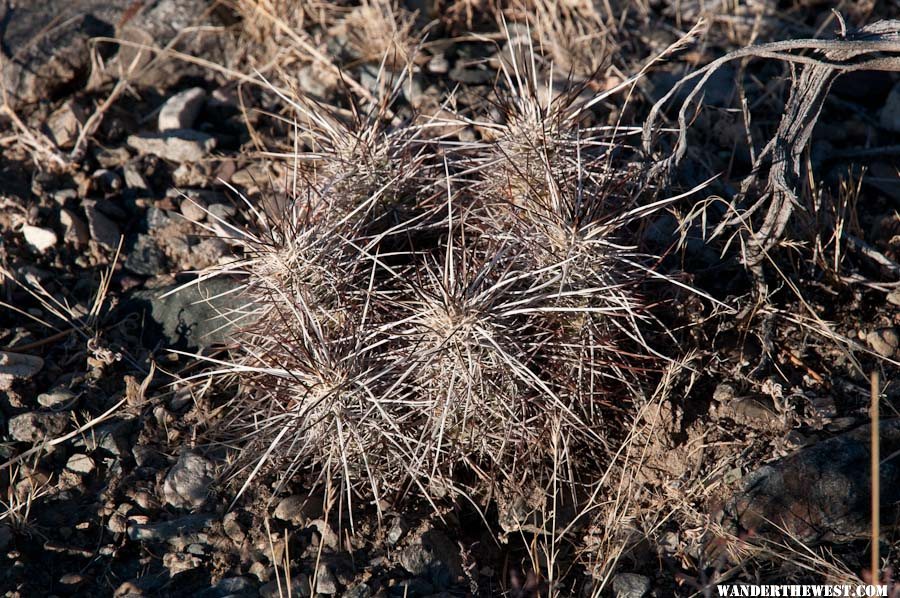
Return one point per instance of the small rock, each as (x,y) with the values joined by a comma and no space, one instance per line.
(325,581)
(181,110)
(117,523)
(76,231)
(329,538)
(80,463)
(70,580)
(41,239)
(146,258)
(177,145)
(884,341)
(894,297)
(187,483)
(134,179)
(65,124)
(359,591)
(17,366)
(291,508)
(630,585)
(37,426)
(232,586)
(177,562)
(55,398)
(168,530)
(398,529)
(438,64)
(103,230)
(193,208)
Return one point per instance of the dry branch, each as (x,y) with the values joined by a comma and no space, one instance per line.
(873,47)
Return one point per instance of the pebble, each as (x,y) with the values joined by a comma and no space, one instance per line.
(221,210)
(193,208)
(80,463)
(884,341)
(291,508)
(630,585)
(187,483)
(71,580)
(37,426)
(17,366)
(55,398)
(65,124)
(181,110)
(178,562)
(103,230)
(41,239)
(76,231)
(177,145)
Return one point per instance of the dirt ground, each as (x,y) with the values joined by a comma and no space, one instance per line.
(138,138)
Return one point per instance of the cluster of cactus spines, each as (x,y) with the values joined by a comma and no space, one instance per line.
(426,314)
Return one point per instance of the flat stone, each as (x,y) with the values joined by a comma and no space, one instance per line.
(37,426)
(103,230)
(80,463)
(177,145)
(187,483)
(17,366)
(181,110)
(41,239)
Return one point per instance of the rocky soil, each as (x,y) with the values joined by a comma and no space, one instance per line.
(111,194)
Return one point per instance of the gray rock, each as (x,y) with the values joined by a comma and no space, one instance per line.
(177,145)
(103,230)
(222,210)
(37,426)
(76,231)
(191,317)
(434,555)
(170,530)
(17,366)
(820,493)
(187,483)
(291,508)
(884,341)
(134,179)
(231,586)
(145,258)
(41,239)
(181,110)
(398,529)
(630,585)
